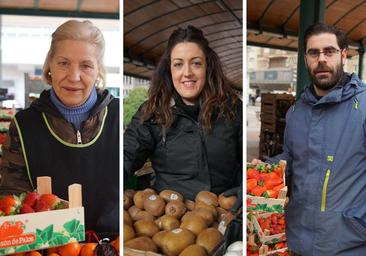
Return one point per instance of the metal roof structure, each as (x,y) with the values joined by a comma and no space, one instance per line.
(148,25)
(106,9)
(275,23)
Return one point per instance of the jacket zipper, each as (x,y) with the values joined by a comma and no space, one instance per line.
(78,137)
(324,193)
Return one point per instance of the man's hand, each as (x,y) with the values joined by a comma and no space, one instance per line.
(238,192)
(256,161)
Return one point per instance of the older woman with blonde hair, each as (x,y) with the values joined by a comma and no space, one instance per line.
(71,132)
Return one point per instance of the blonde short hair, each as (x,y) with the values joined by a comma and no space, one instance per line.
(82,31)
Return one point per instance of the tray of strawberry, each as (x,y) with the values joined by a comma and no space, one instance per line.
(39,220)
(275,223)
(266,187)
(29,202)
(270,227)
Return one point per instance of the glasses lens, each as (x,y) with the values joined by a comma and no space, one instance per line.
(313,53)
(330,52)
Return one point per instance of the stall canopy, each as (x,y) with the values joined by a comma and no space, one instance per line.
(148,24)
(275,23)
(106,9)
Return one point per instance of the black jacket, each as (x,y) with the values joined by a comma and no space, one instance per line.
(187,159)
(94,164)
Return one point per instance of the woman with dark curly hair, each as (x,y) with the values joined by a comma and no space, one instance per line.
(191,125)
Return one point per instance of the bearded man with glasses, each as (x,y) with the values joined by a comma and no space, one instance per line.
(325,147)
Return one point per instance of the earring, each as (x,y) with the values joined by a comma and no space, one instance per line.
(49,73)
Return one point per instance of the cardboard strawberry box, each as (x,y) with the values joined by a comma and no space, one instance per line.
(263,235)
(263,204)
(40,230)
(279,252)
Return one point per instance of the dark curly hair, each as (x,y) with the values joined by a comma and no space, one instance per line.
(217,98)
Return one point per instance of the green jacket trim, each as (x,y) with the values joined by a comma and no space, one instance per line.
(23,151)
(71,144)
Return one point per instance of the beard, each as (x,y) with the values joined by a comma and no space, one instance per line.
(326,81)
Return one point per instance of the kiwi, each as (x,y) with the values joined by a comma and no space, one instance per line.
(187,215)
(127,218)
(175,209)
(149,191)
(194,250)
(138,199)
(127,202)
(226,202)
(168,222)
(158,238)
(129,192)
(145,228)
(142,243)
(170,195)
(207,197)
(140,196)
(133,210)
(143,215)
(206,214)
(189,204)
(209,239)
(209,207)
(176,240)
(194,223)
(154,205)
(128,232)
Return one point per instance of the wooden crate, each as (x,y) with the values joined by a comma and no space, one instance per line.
(273,112)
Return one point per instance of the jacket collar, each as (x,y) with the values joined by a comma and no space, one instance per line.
(350,86)
(44,103)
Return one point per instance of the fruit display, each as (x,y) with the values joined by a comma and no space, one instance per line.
(30,202)
(166,223)
(256,248)
(34,221)
(273,224)
(78,249)
(266,201)
(265,180)
(266,187)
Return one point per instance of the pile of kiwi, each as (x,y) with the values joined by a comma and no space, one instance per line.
(166,223)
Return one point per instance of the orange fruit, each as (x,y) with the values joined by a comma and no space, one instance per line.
(72,249)
(52,250)
(88,249)
(53,254)
(34,253)
(19,254)
(116,244)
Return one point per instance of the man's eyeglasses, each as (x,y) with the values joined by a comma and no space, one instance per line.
(328,53)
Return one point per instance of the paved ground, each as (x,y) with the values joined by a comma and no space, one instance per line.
(253,129)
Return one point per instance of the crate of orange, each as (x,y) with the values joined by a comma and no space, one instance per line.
(41,225)
(266,187)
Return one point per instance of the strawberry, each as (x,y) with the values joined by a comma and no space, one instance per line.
(46,202)
(9,204)
(25,208)
(30,199)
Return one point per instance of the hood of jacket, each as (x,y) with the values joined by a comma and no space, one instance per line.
(349,87)
(44,103)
